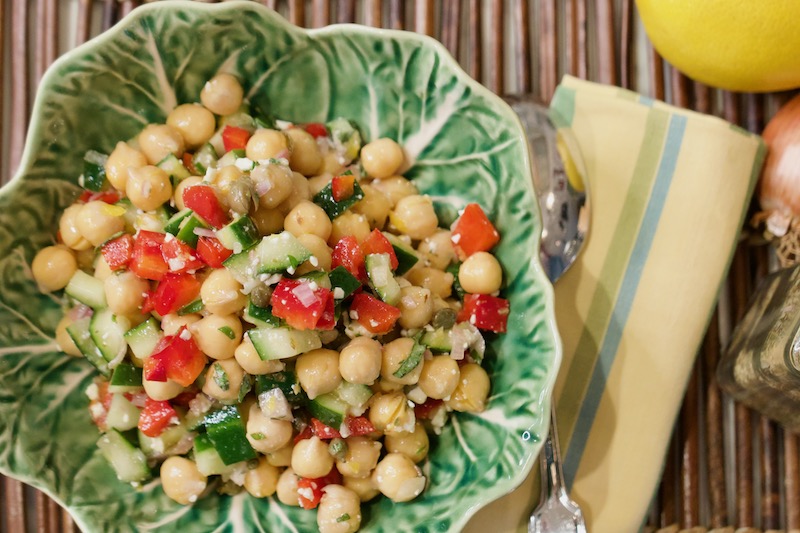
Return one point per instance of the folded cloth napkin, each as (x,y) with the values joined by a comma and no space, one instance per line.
(668,189)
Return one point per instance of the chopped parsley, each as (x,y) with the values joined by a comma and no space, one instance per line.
(257,436)
(228,332)
(221,377)
(344,518)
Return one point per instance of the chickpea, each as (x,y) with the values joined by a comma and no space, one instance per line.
(125,292)
(332,163)
(414,216)
(282,457)
(395,188)
(318,372)
(317,183)
(157,141)
(195,123)
(287,488)
(413,445)
(98,221)
(86,258)
(267,144)
(268,221)
(306,157)
(480,273)
(161,390)
(416,307)
(122,158)
(389,413)
(320,254)
(224,380)
(361,457)
(68,228)
(181,479)
(212,335)
(248,358)
(360,361)
(148,187)
(438,249)
(439,377)
(177,195)
(267,435)
(172,323)
(382,158)
(222,94)
(64,340)
(394,353)
(349,223)
(308,217)
(262,481)
(375,206)
(366,488)
(101,269)
(339,510)
(53,267)
(276,182)
(310,458)
(399,479)
(472,390)
(222,294)
(300,193)
(438,282)
(225,176)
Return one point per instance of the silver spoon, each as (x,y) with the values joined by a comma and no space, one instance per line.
(560,189)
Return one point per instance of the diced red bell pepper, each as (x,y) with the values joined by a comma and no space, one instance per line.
(118,252)
(377,243)
(298,304)
(426,409)
(375,315)
(188,162)
(176,358)
(359,426)
(316,485)
(204,202)
(136,398)
(109,197)
(316,129)
(234,138)
(473,232)
(327,321)
(156,417)
(185,398)
(348,253)
(147,261)
(323,431)
(212,252)
(307,433)
(103,403)
(148,304)
(175,291)
(342,187)
(180,257)
(485,312)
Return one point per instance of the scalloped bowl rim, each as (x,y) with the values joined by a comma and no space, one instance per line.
(118,31)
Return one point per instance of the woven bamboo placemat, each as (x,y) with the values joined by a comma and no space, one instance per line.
(728,468)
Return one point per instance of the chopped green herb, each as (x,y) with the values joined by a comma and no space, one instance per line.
(338,448)
(332,208)
(221,377)
(190,308)
(257,436)
(293,262)
(245,387)
(344,518)
(413,360)
(228,332)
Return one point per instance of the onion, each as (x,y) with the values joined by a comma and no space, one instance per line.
(304,294)
(203,232)
(779,188)
(273,404)
(80,311)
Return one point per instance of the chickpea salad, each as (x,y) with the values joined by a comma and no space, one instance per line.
(271,307)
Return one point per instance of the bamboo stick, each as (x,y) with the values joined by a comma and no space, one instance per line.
(320,13)
(423,17)
(496,62)
(606,55)
(475,61)
(19,82)
(548,49)
(523,45)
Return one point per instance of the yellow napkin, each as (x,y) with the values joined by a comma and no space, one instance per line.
(669,189)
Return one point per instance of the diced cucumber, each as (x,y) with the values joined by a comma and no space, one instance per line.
(108,333)
(286,381)
(126,378)
(412,361)
(262,119)
(173,225)
(186,232)
(379,271)
(354,394)
(86,289)
(275,253)
(204,158)
(280,343)
(319,277)
(226,431)
(406,256)
(345,135)
(437,340)
(82,337)
(342,279)
(143,338)
(458,290)
(446,213)
(193,307)
(261,317)
(230,158)
(174,167)
(329,409)
(122,414)
(332,208)
(239,119)
(161,445)
(128,461)
(239,235)
(94,170)
(208,461)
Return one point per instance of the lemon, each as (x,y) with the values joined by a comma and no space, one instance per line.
(738,45)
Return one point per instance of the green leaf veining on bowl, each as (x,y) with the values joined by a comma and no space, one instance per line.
(463,142)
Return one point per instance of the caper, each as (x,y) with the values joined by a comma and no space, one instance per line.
(444,318)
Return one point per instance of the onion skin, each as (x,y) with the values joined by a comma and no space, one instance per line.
(779,187)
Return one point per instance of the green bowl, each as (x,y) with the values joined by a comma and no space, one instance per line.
(465,144)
